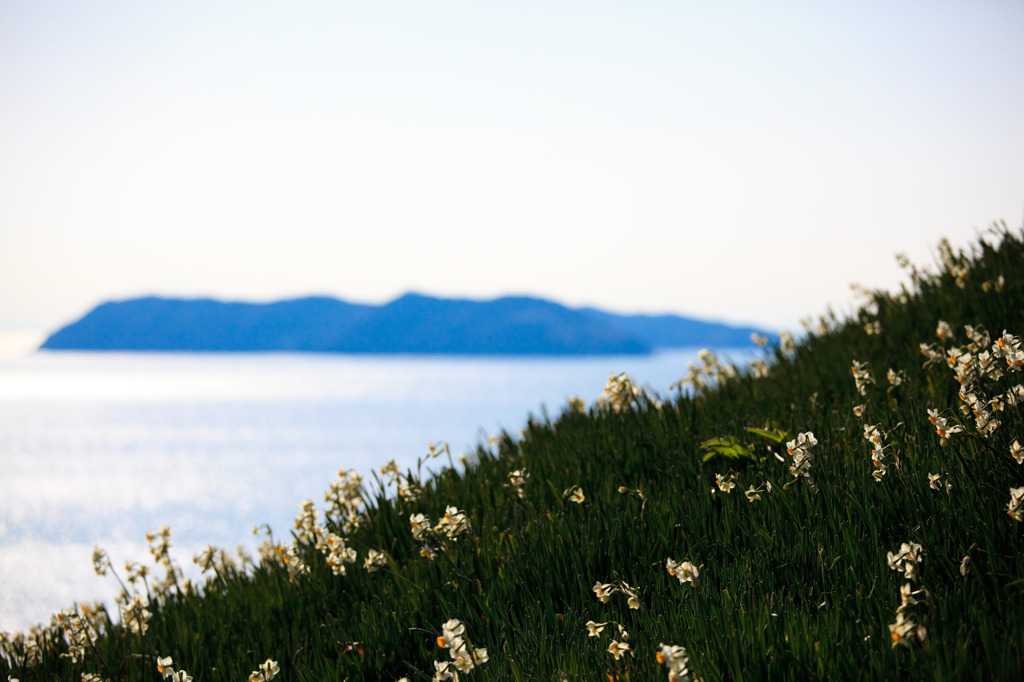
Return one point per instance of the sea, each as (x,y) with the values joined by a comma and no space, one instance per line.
(97,449)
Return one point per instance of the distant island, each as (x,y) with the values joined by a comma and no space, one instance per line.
(413,323)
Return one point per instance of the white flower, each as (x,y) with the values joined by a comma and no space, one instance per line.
(164,666)
(575,494)
(1017,452)
(632,600)
(904,630)
(676,660)
(451,634)
(1016,506)
(618,649)
(604,591)
(685,571)
(594,629)
(442,672)
(375,560)
(268,670)
(907,559)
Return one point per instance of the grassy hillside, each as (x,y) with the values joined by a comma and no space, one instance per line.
(802,518)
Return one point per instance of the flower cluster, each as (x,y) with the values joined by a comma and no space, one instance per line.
(676,660)
(942,426)
(862,376)
(710,373)
(620,392)
(307,523)
(619,646)
(878,447)
(344,498)
(907,559)
(604,592)
(685,571)
(339,554)
(464,656)
(905,630)
(293,561)
(375,560)
(451,526)
(391,472)
(160,545)
(976,367)
(517,481)
(803,459)
(135,614)
(78,632)
(214,559)
(577,404)
(725,483)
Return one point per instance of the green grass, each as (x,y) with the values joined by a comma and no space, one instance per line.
(793,586)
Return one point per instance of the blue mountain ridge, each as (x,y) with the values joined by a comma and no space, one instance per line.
(413,323)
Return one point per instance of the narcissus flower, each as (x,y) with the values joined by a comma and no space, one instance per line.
(604,591)
(942,426)
(1016,506)
(862,376)
(632,600)
(419,524)
(100,561)
(575,494)
(165,666)
(685,571)
(676,660)
(618,649)
(269,669)
(453,524)
(904,631)
(451,634)
(907,559)
(375,560)
(1017,452)
(594,629)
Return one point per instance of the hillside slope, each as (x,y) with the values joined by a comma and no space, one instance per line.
(848,508)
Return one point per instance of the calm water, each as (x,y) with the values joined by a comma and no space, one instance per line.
(97,449)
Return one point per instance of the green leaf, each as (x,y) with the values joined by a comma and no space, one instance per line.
(774,435)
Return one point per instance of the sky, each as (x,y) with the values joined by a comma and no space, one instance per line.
(736,161)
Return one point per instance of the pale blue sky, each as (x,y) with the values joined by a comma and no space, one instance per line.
(743,161)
